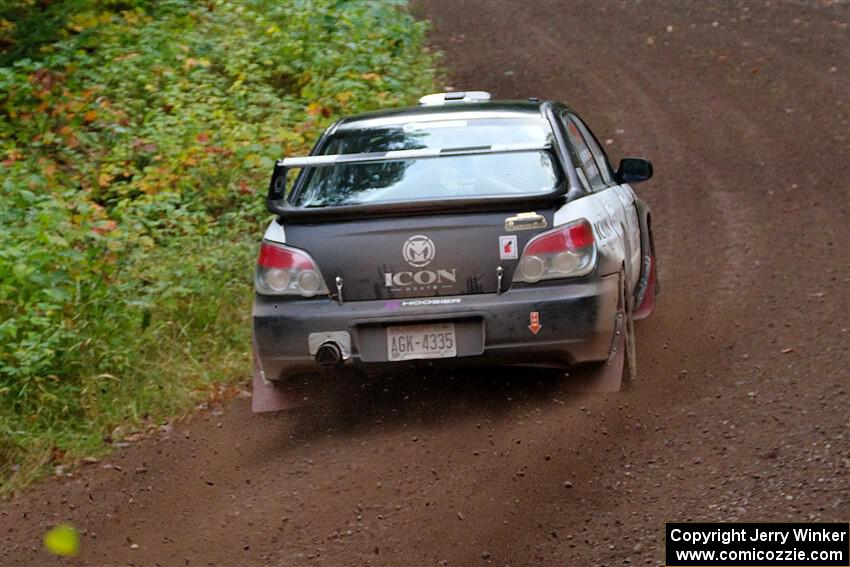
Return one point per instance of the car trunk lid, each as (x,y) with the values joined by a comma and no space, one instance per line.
(419,256)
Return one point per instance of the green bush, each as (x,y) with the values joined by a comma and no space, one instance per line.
(136,139)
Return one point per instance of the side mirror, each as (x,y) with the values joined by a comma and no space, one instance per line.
(633,170)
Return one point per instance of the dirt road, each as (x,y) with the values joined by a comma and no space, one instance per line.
(742,407)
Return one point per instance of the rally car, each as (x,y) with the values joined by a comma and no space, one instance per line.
(460,231)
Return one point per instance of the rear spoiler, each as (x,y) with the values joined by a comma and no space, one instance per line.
(278,204)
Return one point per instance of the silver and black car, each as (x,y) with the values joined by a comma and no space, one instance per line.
(460,231)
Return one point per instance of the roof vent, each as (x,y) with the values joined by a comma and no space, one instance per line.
(437,99)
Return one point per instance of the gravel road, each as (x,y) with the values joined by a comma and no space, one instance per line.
(742,406)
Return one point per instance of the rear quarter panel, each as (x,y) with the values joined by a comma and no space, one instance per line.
(609,235)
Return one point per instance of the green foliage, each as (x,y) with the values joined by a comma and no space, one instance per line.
(136,139)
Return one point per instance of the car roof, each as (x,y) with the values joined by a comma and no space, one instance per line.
(456,111)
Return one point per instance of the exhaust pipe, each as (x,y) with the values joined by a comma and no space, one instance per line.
(329,354)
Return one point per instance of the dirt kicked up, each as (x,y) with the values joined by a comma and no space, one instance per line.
(740,410)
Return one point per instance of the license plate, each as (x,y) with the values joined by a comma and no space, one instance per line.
(408,342)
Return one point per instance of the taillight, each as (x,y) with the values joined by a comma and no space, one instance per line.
(565,252)
(282,270)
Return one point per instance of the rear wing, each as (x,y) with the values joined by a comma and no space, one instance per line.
(278,204)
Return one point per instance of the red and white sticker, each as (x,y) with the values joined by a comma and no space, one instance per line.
(508,248)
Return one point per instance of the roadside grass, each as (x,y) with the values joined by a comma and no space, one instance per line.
(189,345)
(136,139)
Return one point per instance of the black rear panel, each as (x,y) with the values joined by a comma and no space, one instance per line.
(419,256)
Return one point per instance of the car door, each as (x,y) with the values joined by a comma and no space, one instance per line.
(618,199)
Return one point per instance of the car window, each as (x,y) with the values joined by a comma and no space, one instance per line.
(483,175)
(582,156)
(598,153)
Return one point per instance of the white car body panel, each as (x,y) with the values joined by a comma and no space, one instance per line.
(616,227)
(275,233)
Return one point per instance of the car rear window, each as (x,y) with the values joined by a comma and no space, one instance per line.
(483,175)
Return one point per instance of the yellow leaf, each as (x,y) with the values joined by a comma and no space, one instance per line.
(104,179)
(82,22)
(370,76)
(90,116)
(130,17)
(344,97)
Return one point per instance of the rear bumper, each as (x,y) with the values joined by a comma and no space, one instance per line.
(577,322)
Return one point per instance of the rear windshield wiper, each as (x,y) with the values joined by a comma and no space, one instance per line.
(277,203)
(398,155)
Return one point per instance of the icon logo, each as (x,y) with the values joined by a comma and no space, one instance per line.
(418,251)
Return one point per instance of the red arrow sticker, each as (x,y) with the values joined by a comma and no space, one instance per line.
(534,319)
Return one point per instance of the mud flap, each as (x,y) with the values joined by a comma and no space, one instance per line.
(649,289)
(608,376)
(625,315)
(603,377)
(268,396)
